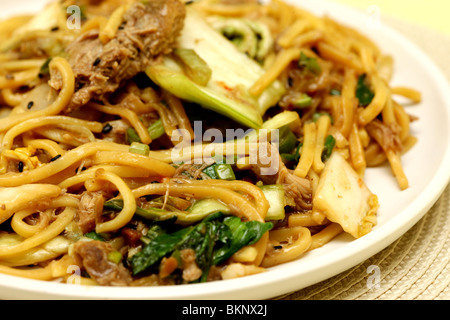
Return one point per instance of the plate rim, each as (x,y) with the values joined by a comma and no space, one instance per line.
(233,288)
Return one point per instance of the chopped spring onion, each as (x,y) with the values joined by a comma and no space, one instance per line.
(363,91)
(309,64)
(275,196)
(132,136)
(330,142)
(156,130)
(221,171)
(303,101)
(224,172)
(115,257)
(139,148)
(210,172)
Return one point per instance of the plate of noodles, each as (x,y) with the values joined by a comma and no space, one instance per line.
(167,149)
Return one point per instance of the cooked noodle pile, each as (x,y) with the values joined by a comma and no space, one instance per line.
(95,189)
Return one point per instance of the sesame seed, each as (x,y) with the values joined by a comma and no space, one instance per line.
(107,128)
(97,62)
(55,158)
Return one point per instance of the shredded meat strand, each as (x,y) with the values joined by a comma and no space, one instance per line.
(90,207)
(386,136)
(191,271)
(147,32)
(93,257)
(195,171)
(296,188)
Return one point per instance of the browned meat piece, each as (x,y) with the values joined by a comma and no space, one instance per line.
(167,266)
(191,271)
(386,136)
(90,207)
(132,237)
(297,189)
(147,32)
(93,257)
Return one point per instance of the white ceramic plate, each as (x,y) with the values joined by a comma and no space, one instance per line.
(427,167)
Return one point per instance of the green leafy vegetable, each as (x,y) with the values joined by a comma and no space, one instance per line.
(294,157)
(363,91)
(94,236)
(242,234)
(154,231)
(156,249)
(214,239)
(149,213)
(239,33)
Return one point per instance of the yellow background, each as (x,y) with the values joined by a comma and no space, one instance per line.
(434,14)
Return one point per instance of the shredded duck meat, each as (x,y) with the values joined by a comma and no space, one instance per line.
(93,256)
(386,136)
(90,207)
(297,189)
(191,271)
(148,31)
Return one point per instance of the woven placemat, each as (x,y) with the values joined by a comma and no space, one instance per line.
(417,265)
